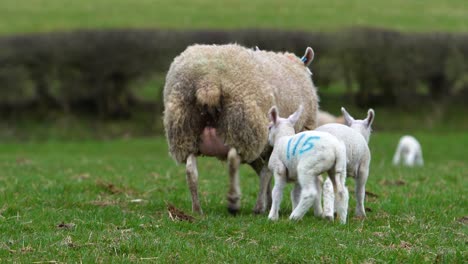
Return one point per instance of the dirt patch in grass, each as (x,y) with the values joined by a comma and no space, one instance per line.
(463,220)
(176,214)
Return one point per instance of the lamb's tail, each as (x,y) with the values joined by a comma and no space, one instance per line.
(208,92)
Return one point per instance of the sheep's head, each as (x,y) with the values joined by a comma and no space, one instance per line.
(362,126)
(279,126)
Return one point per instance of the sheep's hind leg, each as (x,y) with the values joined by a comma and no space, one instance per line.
(192,180)
(309,193)
(234,193)
(318,210)
(361,179)
(295,195)
(341,196)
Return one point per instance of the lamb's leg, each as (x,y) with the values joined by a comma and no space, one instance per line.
(234,193)
(341,197)
(318,211)
(338,177)
(277,195)
(328,200)
(264,192)
(361,179)
(309,194)
(419,159)
(410,158)
(192,180)
(295,195)
(396,157)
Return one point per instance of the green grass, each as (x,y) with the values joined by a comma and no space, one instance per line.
(415,218)
(313,15)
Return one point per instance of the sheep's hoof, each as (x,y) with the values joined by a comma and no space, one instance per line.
(233,210)
(359,217)
(329,218)
(233,204)
(259,210)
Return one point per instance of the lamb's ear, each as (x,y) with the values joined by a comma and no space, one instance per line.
(308,56)
(347,117)
(296,115)
(273,114)
(370,117)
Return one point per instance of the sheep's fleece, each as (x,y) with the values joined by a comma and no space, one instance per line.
(231,88)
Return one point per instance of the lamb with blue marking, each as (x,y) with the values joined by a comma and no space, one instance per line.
(301,158)
(355,135)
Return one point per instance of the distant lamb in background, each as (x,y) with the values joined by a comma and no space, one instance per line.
(355,135)
(408,152)
(216,100)
(301,158)
(324,117)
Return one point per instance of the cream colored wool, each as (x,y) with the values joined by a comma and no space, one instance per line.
(232,88)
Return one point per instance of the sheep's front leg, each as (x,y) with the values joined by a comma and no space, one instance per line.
(192,180)
(277,194)
(361,180)
(295,195)
(234,193)
(264,192)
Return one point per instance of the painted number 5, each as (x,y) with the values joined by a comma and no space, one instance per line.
(308,145)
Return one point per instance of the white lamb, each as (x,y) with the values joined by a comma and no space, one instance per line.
(409,151)
(355,135)
(302,158)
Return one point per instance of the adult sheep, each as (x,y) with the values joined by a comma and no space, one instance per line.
(216,100)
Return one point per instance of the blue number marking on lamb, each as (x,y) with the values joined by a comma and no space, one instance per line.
(287,150)
(297,143)
(308,145)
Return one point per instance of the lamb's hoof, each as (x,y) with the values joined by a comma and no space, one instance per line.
(329,218)
(295,218)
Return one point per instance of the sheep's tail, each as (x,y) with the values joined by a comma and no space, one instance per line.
(340,163)
(208,92)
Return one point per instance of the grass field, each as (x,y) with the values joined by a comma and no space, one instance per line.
(105,201)
(313,15)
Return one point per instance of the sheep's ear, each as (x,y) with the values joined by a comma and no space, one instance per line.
(256,48)
(296,115)
(273,114)
(370,117)
(347,117)
(308,56)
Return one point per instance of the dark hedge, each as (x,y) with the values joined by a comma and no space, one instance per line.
(93,71)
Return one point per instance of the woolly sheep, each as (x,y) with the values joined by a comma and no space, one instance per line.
(355,135)
(302,158)
(409,151)
(216,100)
(323,117)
